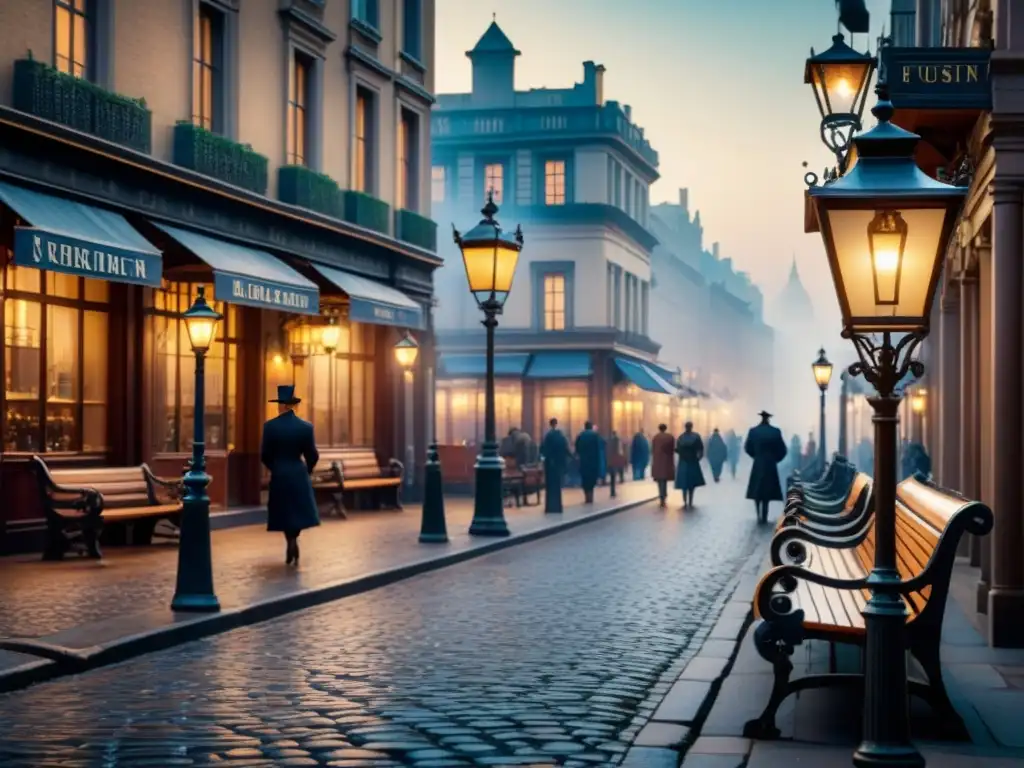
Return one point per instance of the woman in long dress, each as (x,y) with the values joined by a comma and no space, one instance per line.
(690,449)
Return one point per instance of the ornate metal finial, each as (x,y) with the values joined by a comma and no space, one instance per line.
(519,234)
(883,110)
(489,209)
(810,177)
(456,236)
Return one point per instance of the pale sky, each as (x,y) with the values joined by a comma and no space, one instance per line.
(717,86)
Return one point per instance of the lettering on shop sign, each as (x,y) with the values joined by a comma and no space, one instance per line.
(60,253)
(938,78)
(266,295)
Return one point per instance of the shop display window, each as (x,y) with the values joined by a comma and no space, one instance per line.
(56,341)
(460,405)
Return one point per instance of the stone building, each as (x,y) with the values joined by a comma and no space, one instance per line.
(275,152)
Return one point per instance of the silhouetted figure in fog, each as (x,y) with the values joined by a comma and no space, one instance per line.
(732,442)
(766,447)
(663,461)
(690,449)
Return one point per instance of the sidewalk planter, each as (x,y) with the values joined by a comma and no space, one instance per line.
(366,211)
(416,230)
(298,185)
(213,155)
(43,91)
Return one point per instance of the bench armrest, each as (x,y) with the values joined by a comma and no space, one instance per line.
(792,541)
(331,474)
(173,489)
(66,496)
(777,606)
(396,468)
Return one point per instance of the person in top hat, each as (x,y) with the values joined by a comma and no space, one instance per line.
(288,450)
(766,446)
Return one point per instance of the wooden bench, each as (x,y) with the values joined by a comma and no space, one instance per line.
(517,483)
(356,473)
(77,503)
(824,597)
(833,483)
(837,512)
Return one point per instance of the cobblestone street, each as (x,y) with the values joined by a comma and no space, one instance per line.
(539,654)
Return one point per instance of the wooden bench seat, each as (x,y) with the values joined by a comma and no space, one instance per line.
(357,474)
(823,597)
(77,503)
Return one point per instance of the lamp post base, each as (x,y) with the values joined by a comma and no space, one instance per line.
(891,756)
(193,589)
(196,603)
(488,505)
(433,529)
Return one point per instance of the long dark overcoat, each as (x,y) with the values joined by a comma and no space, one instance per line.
(717,453)
(690,449)
(766,447)
(588,451)
(663,459)
(289,451)
(555,451)
(639,451)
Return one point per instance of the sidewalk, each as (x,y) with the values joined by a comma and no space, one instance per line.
(728,683)
(86,613)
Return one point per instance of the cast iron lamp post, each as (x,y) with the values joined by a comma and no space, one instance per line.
(490,256)
(843,448)
(840,77)
(886,225)
(194,588)
(822,369)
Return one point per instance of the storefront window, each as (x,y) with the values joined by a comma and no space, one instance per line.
(55,364)
(460,407)
(173,372)
(338,390)
(567,402)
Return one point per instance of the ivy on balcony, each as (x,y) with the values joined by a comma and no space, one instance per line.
(45,92)
(366,211)
(416,230)
(214,155)
(298,185)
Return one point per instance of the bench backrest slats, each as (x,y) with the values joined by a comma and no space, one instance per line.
(860,482)
(90,478)
(931,504)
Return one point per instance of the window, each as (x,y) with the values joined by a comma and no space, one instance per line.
(339,389)
(566,401)
(207,38)
(610,295)
(610,182)
(365,11)
(645,299)
(55,394)
(618,186)
(413,32)
(459,408)
(364,165)
(554,302)
(438,183)
(618,297)
(298,103)
(628,204)
(73,37)
(554,182)
(627,414)
(408,140)
(494,181)
(172,363)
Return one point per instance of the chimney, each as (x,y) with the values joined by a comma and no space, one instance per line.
(593,81)
(628,111)
(714,250)
(684,201)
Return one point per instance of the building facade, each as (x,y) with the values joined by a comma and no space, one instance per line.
(709,319)
(276,153)
(575,340)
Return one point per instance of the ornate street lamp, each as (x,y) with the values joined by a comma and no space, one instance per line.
(330,335)
(490,256)
(839,77)
(918,402)
(194,588)
(406,352)
(822,369)
(886,226)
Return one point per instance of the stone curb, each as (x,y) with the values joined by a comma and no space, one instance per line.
(667,740)
(61,662)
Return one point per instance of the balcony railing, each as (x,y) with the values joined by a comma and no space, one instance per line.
(366,211)
(213,155)
(298,185)
(607,120)
(43,91)
(415,229)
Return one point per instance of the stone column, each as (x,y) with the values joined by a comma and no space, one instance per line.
(1006,592)
(985,452)
(968,475)
(948,431)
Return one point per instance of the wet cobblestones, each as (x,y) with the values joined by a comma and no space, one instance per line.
(541,654)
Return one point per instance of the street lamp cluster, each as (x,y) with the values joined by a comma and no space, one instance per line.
(885,225)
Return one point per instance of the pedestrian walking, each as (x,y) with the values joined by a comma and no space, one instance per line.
(616,460)
(689,477)
(640,454)
(732,441)
(717,454)
(663,462)
(588,454)
(288,450)
(767,448)
(554,451)
(602,453)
